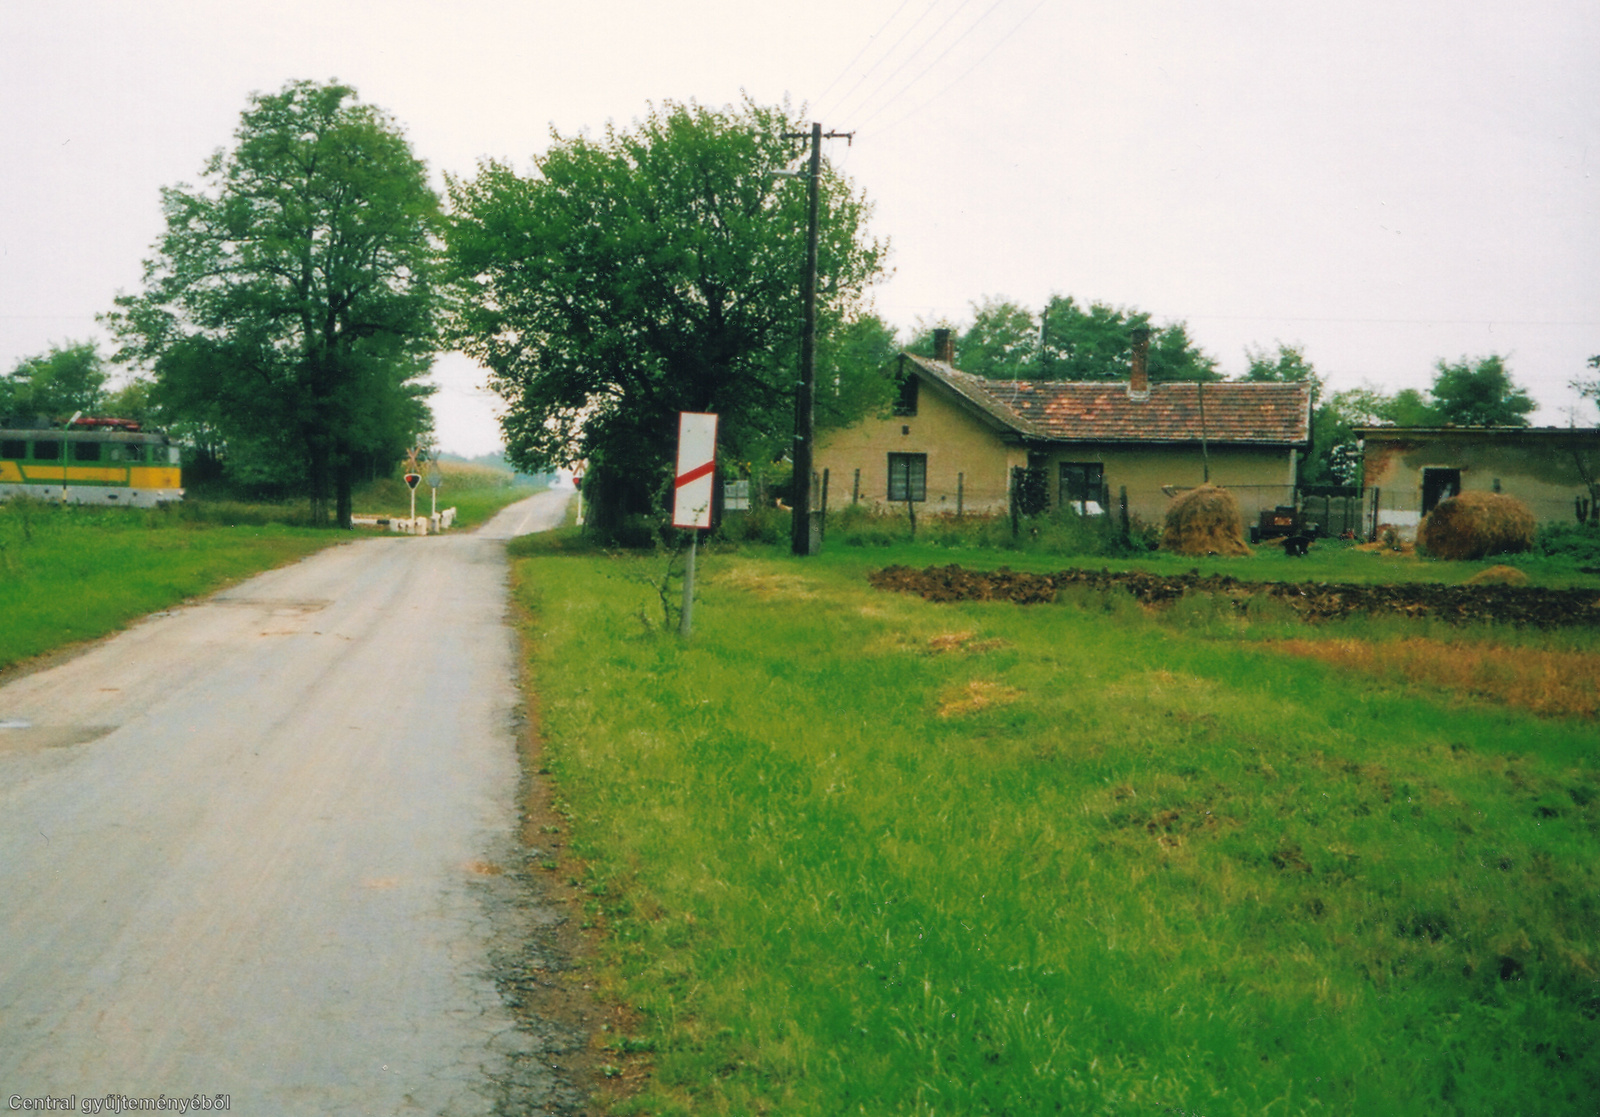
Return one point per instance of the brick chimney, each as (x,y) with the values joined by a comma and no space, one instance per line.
(1139,381)
(944,347)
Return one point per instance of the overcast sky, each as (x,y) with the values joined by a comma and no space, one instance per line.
(1385,183)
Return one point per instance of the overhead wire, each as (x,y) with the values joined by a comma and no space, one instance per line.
(965,74)
(917,50)
(823,96)
(845,99)
(989,11)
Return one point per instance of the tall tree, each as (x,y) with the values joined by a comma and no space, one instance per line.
(289,305)
(1097,344)
(1002,343)
(646,272)
(1590,388)
(1332,445)
(1479,393)
(1287,365)
(70,377)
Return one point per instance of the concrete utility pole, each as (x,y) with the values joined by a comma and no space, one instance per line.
(803,454)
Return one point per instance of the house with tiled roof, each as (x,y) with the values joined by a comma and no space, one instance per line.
(954,439)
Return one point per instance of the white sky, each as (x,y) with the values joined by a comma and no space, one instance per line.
(1387,182)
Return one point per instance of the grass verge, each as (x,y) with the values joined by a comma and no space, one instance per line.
(853,852)
(72,574)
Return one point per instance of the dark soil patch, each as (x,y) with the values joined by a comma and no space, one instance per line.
(1313,601)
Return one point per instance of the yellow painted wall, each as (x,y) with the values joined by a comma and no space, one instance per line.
(960,448)
(1540,470)
(957,442)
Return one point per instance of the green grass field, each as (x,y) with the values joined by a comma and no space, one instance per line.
(851,852)
(69,574)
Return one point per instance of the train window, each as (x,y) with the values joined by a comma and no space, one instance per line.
(46,451)
(13,448)
(86,451)
(126,452)
(174,456)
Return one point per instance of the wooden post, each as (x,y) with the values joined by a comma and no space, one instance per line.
(1205,456)
(911,513)
(1123,501)
(804,416)
(1016,524)
(822,528)
(855,491)
(961,481)
(1375,503)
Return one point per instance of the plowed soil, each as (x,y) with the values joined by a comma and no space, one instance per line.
(1313,601)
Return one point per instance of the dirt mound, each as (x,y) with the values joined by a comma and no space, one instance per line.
(1204,521)
(1475,524)
(1313,601)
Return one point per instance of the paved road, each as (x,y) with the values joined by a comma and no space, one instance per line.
(251,846)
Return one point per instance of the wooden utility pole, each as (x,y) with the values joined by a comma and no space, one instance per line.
(805,391)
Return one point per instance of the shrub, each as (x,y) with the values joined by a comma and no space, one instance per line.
(1580,542)
(1475,524)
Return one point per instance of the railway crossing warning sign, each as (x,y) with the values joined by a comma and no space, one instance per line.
(697,462)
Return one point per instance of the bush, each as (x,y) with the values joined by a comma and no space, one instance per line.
(1580,542)
(1474,525)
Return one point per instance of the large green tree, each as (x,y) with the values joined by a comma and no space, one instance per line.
(1479,393)
(649,271)
(1096,343)
(288,311)
(1589,388)
(70,377)
(1065,341)
(1002,343)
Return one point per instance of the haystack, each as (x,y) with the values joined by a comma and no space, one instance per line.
(1205,521)
(1498,576)
(1476,524)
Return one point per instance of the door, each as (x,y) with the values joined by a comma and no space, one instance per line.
(1437,485)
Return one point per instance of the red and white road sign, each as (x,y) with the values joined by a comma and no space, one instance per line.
(697,463)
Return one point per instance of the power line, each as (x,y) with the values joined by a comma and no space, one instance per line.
(920,47)
(924,71)
(998,44)
(885,56)
(864,47)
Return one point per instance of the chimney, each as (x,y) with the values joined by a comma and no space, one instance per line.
(944,347)
(1139,382)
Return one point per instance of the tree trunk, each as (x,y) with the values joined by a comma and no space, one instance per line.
(343,498)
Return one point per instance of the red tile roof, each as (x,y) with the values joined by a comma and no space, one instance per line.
(1104,411)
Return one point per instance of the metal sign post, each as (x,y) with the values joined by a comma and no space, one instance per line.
(691,493)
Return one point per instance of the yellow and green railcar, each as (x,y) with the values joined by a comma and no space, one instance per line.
(90,461)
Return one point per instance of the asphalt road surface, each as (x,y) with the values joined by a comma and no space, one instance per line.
(253,847)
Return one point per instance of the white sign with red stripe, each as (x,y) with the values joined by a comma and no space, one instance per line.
(697,463)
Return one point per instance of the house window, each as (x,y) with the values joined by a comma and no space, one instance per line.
(1082,483)
(908,477)
(905,403)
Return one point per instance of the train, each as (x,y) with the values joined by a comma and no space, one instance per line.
(102,461)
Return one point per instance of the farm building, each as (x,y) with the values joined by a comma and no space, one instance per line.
(954,439)
(1413,468)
